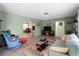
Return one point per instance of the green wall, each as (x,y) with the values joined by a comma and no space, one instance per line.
(68,23)
(14,23)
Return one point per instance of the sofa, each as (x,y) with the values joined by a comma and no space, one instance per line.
(72,44)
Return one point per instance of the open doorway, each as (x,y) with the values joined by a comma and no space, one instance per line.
(28,28)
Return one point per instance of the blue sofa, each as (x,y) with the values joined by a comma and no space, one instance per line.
(73,45)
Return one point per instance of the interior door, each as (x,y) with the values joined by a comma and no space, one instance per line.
(60,28)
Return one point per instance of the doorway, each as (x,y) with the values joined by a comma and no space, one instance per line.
(59,28)
(28,29)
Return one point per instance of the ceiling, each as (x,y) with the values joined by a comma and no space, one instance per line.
(37,10)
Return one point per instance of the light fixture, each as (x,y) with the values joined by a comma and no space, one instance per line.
(45,13)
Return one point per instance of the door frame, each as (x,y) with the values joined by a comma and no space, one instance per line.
(63,28)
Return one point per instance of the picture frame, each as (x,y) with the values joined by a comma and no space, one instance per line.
(60,23)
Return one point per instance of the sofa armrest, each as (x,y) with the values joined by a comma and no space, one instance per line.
(50,52)
(60,49)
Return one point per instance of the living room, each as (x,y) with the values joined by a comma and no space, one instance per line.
(40,23)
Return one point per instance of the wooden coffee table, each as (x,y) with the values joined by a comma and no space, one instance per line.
(41,45)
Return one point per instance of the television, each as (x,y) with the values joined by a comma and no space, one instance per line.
(47,28)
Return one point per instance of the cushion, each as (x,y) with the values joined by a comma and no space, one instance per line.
(60,49)
(65,39)
(73,37)
(54,53)
(73,44)
(58,43)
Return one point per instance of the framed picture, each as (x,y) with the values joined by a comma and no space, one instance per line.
(60,23)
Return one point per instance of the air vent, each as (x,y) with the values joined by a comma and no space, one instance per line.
(45,13)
